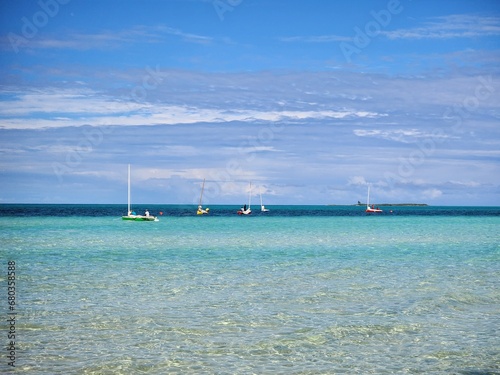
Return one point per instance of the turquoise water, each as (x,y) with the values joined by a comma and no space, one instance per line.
(306,291)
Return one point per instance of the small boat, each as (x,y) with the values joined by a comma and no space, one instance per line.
(372,209)
(262,207)
(247,210)
(131,215)
(201,210)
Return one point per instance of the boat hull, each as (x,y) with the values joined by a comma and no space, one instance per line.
(139,218)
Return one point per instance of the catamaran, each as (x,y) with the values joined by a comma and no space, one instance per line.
(201,210)
(371,209)
(247,210)
(131,215)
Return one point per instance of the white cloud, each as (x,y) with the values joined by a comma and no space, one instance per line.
(400,135)
(432,193)
(471,184)
(68,102)
(86,107)
(445,27)
(357,180)
(316,39)
(451,26)
(108,39)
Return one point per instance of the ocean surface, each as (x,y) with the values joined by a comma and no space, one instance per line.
(297,290)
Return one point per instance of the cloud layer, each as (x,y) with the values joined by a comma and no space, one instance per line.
(264,95)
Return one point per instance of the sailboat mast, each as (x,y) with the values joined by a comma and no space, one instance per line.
(250,195)
(201,194)
(368,198)
(128,192)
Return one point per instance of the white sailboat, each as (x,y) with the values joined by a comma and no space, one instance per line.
(132,215)
(247,210)
(201,210)
(262,207)
(371,209)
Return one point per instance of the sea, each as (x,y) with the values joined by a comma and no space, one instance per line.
(296,290)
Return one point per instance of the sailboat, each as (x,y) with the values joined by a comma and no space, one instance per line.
(247,210)
(201,210)
(371,209)
(262,207)
(132,215)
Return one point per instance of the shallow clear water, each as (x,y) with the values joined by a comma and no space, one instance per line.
(301,291)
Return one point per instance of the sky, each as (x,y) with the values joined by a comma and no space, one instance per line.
(309,101)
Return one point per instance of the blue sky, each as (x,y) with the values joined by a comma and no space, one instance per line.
(310,101)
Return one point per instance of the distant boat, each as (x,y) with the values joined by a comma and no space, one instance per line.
(131,215)
(201,210)
(262,207)
(247,210)
(371,209)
